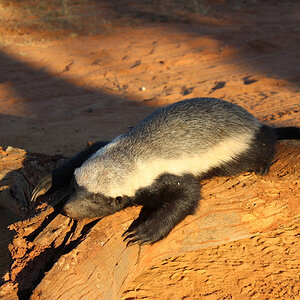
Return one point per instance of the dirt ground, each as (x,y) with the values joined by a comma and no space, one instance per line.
(79,71)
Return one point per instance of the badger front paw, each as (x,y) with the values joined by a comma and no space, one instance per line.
(42,187)
(148,231)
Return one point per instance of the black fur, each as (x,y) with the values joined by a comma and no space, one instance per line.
(97,202)
(287,133)
(165,204)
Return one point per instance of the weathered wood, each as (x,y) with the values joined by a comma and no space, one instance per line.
(19,173)
(56,257)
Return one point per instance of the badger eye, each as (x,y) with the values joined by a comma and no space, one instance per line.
(119,199)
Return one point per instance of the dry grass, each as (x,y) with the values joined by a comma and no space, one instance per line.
(37,20)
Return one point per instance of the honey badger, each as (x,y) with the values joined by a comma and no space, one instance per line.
(158,164)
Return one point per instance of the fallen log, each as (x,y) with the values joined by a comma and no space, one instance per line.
(55,257)
(19,172)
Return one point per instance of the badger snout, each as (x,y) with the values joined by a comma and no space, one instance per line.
(80,205)
(83,204)
(70,210)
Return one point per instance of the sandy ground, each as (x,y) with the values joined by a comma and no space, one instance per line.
(58,93)
(91,71)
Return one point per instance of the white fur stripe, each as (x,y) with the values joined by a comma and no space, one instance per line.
(147,171)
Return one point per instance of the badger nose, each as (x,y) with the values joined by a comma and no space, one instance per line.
(63,211)
(68,211)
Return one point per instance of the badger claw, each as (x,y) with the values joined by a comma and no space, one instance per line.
(42,187)
(131,243)
(128,237)
(142,233)
(125,233)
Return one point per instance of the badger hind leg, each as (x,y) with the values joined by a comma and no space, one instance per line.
(262,150)
(263,170)
(165,204)
(257,158)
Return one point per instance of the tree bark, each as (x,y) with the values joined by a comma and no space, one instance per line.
(55,257)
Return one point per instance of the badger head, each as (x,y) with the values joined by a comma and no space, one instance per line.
(84,204)
(94,190)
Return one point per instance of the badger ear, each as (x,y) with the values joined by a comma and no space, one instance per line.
(119,199)
(119,202)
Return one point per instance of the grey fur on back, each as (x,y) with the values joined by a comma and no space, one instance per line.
(182,131)
(190,126)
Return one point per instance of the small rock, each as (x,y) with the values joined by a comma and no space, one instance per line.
(186,91)
(137,63)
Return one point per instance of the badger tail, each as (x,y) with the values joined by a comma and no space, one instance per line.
(288,133)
